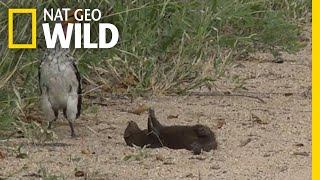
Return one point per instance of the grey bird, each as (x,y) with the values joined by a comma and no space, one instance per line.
(60,84)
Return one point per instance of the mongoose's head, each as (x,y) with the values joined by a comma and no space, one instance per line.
(203,139)
(133,135)
(131,130)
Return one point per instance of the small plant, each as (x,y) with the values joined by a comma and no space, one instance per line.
(140,154)
(35,132)
(46,175)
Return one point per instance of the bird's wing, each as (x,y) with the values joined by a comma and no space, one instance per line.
(39,77)
(79,91)
(40,81)
(42,85)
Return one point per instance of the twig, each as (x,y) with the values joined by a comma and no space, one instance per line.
(92,130)
(157,137)
(101,104)
(230,95)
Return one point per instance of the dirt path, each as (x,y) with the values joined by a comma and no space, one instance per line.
(270,140)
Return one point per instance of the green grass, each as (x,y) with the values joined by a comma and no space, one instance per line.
(165,47)
(139,154)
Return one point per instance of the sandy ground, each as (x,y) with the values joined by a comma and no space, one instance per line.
(257,140)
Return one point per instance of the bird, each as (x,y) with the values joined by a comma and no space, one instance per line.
(60,83)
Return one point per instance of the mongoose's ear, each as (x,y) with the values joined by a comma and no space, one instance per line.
(131,129)
(153,123)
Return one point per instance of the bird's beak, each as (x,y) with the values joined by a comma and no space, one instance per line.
(71,16)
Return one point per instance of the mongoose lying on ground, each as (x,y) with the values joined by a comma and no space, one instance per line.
(194,138)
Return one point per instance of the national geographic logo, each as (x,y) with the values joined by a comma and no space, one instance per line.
(33,13)
(67,25)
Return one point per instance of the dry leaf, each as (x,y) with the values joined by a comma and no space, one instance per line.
(106,88)
(120,90)
(172,116)
(2,155)
(301,154)
(299,145)
(245,142)
(278,61)
(159,157)
(215,167)
(220,123)
(239,65)
(85,151)
(283,168)
(140,109)
(190,175)
(34,117)
(256,119)
(168,162)
(33,175)
(22,156)
(288,94)
(129,79)
(79,174)
(199,114)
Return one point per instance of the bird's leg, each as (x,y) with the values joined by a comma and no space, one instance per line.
(50,113)
(53,118)
(50,124)
(71,110)
(73,134)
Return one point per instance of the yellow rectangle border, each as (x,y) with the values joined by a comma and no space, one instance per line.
(315,90)
(33,13)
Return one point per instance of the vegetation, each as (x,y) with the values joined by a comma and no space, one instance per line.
(140,154)
(165,46)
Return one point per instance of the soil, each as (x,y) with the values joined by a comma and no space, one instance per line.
(268,139)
